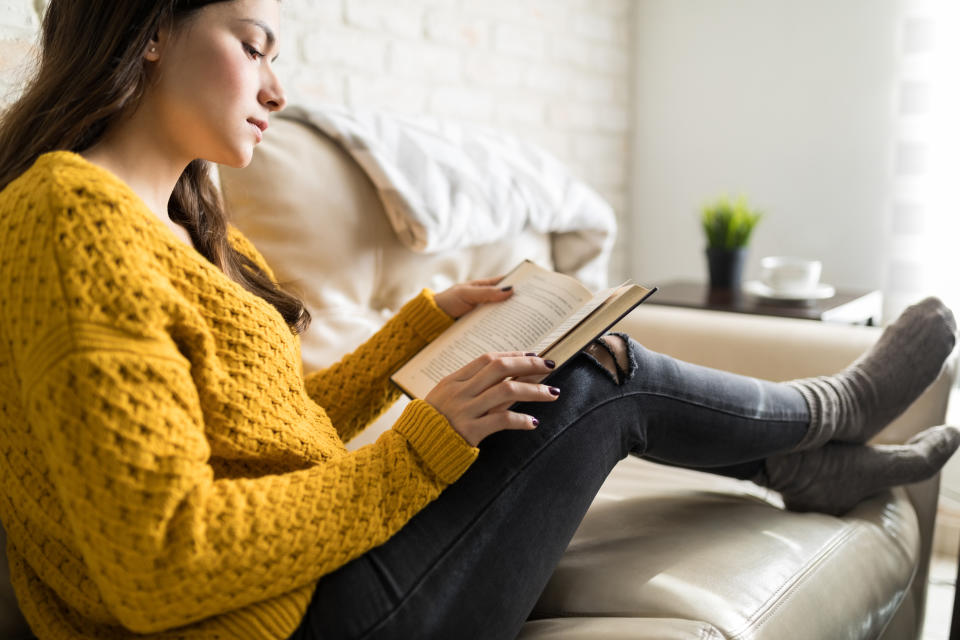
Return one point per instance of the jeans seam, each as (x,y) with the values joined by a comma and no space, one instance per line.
(385,578)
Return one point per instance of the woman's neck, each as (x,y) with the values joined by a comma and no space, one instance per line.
(134,153)
(137,155)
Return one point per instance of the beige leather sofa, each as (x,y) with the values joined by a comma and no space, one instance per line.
(663,553)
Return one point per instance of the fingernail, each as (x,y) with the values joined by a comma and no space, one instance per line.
(550,364)
(530,354)
(506,288)
(554,391)
(535,422)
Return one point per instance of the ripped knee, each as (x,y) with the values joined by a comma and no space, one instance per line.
(610,351)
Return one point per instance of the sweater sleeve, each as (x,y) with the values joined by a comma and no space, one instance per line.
(120,425)
(357,389)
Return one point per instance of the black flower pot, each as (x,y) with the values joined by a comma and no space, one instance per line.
(726,267)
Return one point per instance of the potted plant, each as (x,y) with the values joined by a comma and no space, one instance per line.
(728,225)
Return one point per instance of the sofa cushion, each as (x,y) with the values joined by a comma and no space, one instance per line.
(326,232)
(670,543)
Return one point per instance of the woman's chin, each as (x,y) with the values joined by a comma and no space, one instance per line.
(237,159)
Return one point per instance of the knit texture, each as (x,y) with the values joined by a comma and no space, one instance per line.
(856,403)
(166,469)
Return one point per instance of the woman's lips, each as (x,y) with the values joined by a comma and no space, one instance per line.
(259,126)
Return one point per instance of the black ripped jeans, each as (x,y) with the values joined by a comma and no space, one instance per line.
(472,563)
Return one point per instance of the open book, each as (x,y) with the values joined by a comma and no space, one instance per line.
(549,314)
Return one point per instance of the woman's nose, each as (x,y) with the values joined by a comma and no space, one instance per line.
(272,95)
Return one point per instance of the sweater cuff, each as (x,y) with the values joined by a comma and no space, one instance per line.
(426,318)
(435,441)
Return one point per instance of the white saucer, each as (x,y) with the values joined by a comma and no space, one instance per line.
(820,292)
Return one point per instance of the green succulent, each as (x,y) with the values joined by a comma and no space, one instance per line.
(728,223)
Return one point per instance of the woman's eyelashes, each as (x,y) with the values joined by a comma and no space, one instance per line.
(252,52)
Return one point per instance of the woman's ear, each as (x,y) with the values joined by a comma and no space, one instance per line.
(155,46)
(152,54)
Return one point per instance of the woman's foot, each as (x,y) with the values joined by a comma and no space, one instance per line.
(855,404)
(835,477)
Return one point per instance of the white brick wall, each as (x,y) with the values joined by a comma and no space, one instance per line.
(555,72)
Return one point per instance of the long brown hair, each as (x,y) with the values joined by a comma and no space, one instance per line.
(90,74)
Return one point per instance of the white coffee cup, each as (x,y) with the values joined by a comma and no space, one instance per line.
(790,275)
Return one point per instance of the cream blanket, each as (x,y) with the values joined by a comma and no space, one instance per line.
(447,186)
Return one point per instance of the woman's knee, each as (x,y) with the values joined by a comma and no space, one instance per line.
(612,352)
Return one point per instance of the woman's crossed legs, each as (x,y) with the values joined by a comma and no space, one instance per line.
(473,562)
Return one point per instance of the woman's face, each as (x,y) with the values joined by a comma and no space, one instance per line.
(213,84)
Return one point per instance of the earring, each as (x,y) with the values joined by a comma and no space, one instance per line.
(153,49)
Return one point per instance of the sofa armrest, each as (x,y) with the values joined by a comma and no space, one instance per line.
(776,348)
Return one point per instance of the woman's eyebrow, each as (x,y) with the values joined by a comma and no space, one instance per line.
(271,38)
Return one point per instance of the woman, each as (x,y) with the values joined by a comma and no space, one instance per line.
(167,470)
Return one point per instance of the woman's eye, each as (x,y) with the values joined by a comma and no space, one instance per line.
(253,53)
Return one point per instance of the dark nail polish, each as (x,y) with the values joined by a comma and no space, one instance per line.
(554,391)
(535,422)
(550,364)
(506,288)
(530,353)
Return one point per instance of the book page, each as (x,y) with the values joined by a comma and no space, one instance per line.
(573,320)
(541,300)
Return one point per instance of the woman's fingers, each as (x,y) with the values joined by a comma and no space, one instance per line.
(494,422)
(471,369)
(486,282)
(474,294)
(508,392)
(535,378)
(462,298)
(475,397)
(499,368)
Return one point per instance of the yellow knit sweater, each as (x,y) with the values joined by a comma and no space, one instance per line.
(166,468)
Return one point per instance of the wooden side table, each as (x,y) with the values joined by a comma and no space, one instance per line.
(847,307)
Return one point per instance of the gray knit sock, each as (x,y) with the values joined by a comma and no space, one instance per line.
(835,477)
(855,404)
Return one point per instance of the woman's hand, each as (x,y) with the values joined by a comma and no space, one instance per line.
(460,298)
(475,398)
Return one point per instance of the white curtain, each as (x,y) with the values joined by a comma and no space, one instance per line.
(923,252)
